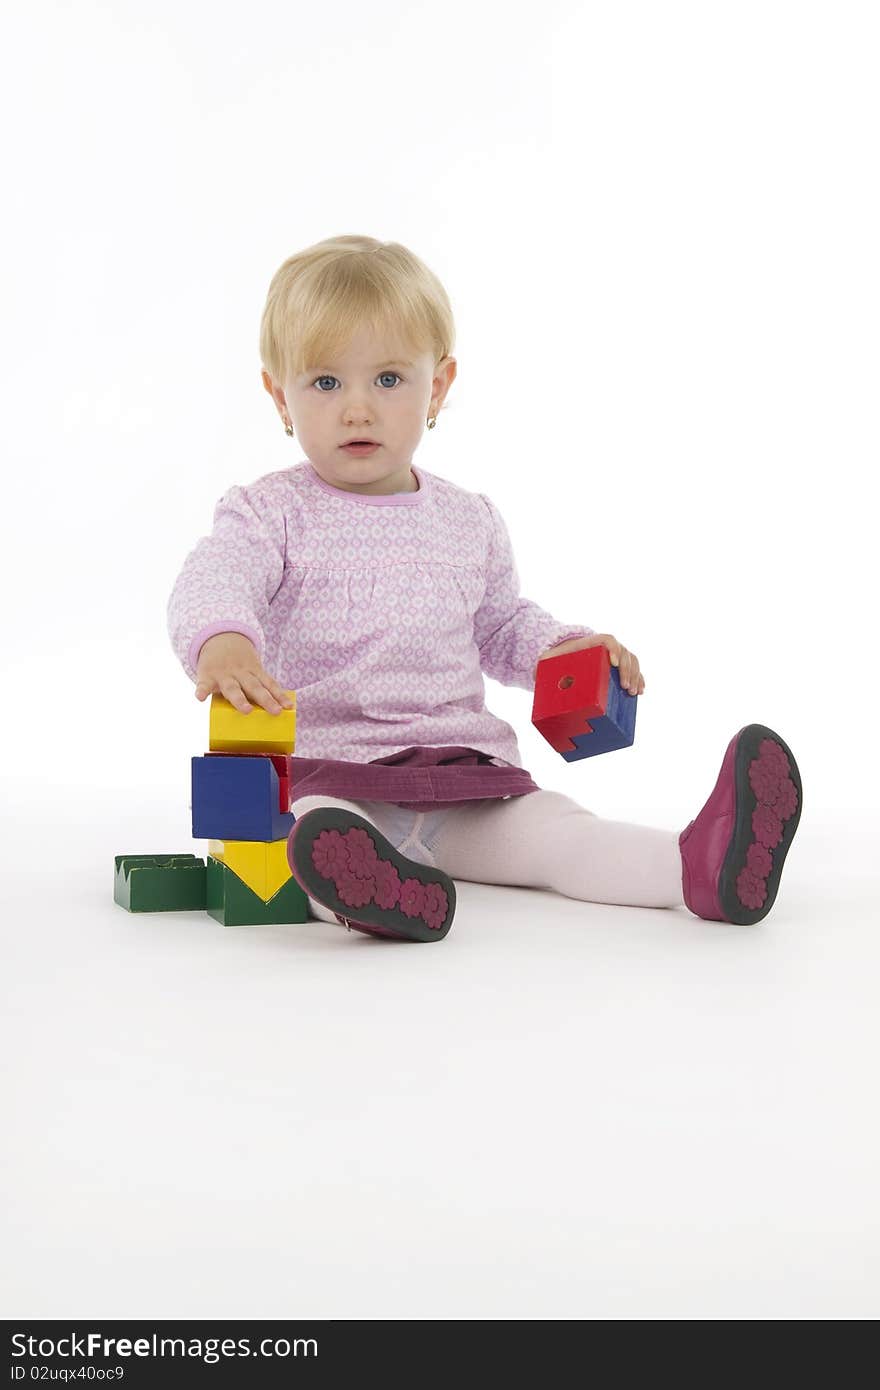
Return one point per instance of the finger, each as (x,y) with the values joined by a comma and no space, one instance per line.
(632,672)
(258,691)
(232,691)
(628,668)
(614,650)
(277,695)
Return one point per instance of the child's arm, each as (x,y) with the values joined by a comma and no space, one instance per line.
(512,632)
(229,578)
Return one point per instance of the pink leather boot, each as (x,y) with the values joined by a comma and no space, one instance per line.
(732,854)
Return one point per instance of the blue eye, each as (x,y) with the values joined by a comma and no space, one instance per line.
(327,377)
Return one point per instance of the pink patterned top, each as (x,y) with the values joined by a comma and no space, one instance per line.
(381,612)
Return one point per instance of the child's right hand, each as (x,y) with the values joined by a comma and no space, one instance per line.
(228,665)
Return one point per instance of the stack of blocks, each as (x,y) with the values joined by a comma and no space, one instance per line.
(240,801)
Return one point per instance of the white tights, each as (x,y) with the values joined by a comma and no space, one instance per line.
(540,840)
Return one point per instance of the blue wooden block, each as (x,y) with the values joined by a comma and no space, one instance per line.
(616,728)
(237,798)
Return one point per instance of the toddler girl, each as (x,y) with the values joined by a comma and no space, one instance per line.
(381,592)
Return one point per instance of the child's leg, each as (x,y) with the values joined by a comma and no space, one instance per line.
(546,840)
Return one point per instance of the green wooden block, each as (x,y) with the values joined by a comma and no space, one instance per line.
(160,882)
(233,904)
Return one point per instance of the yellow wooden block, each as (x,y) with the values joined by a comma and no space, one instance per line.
(261,865)
(230,731)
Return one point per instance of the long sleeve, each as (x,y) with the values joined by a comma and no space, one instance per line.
(229,578)
(511,632)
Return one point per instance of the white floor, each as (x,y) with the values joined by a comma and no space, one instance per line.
(563,1110)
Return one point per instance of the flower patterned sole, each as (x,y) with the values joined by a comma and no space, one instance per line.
(768,801)
(342,861)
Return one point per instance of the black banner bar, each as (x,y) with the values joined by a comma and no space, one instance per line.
(134,1353)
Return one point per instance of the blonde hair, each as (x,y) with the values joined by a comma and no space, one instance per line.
(321,296)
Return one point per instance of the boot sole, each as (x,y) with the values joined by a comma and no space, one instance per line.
(326,883)
(747,885)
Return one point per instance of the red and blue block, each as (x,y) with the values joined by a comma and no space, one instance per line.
(579,706)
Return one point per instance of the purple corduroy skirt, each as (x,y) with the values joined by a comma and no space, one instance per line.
(417,779)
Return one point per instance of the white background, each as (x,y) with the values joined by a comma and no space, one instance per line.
(658,226)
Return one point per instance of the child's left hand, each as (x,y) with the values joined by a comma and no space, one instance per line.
(627,663)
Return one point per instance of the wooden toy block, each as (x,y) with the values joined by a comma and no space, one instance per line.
(230,731)
(284,793)
(233,904)
(262,866)
(281,763)
(579,706)
(159,882)
(237,798)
